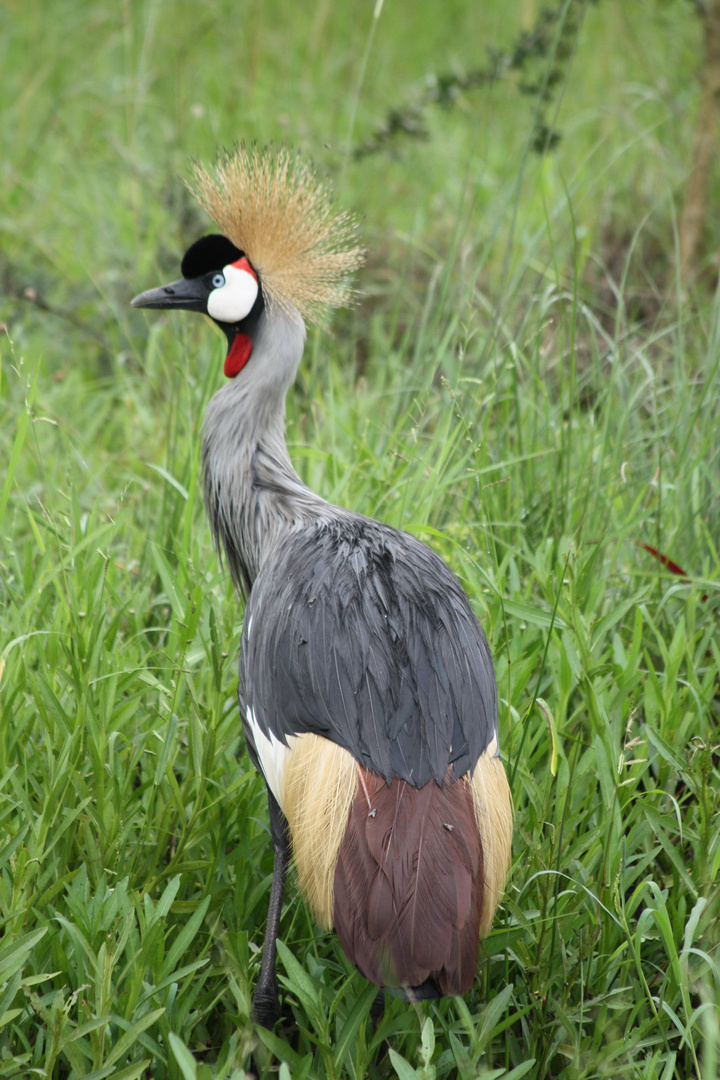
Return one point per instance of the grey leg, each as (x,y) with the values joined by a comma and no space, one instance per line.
(266,1001)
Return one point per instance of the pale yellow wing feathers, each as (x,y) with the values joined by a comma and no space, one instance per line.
(494,816)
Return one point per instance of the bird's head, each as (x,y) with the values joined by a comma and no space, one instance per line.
(218,280)
(281,245)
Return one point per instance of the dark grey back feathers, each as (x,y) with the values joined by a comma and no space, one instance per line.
(362,634)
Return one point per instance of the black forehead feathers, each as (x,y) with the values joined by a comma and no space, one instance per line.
(209,253)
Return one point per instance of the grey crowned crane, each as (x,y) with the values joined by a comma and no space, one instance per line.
(367,689)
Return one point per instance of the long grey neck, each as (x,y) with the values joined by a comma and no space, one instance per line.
(252,493)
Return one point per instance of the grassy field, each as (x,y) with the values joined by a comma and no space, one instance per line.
(525,384)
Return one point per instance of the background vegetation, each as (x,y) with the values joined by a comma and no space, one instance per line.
(526,384)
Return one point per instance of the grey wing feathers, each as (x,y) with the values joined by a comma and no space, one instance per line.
(363,635)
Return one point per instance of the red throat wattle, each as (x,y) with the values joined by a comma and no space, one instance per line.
(238,356)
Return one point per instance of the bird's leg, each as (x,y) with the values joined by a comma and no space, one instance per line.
(377,1009)
(266,1001)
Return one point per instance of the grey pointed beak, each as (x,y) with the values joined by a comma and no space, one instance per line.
(190,294)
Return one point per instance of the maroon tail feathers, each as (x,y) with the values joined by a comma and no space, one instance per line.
(409,885)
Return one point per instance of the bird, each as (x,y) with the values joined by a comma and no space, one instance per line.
(366,685)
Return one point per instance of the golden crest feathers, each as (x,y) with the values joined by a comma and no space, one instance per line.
(272,206)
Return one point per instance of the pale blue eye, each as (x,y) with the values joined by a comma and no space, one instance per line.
(218,281)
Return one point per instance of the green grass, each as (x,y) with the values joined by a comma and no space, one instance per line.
(525,385)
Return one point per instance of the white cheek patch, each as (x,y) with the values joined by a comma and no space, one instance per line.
(234,300)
